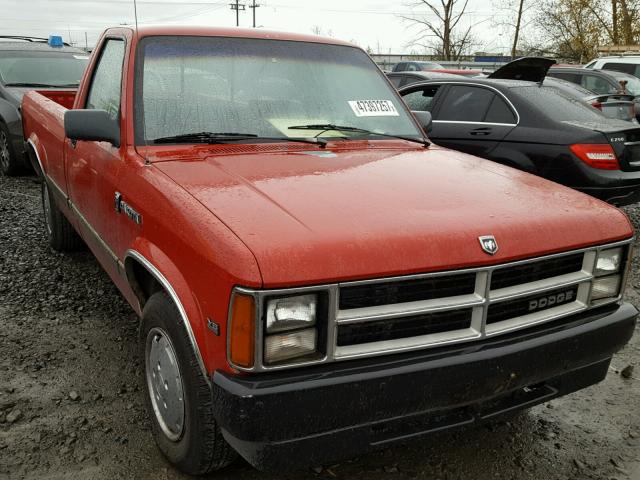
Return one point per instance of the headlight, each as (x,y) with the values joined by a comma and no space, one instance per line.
(608,262)
(605,287)
(291,313)
(290,328)
(285,346)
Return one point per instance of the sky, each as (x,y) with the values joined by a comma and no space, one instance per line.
(376,24)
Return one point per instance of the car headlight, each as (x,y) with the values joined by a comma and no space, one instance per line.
(285,346)
(608,262)
(608,274)
(290,328)
(291,313)
(605,287)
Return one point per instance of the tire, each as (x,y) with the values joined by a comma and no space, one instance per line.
(8,162)
(185,431)
(62,236)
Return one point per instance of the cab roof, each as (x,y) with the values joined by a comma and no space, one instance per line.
(257,33)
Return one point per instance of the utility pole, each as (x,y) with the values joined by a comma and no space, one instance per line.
(237,7)
(253,7)
(86,43)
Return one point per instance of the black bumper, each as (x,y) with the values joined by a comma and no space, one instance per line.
(313,416)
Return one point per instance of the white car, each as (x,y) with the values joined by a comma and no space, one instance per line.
(627,64)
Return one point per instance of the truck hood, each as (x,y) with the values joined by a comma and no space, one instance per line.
(325,216)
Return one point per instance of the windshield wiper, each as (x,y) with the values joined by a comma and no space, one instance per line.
(326,127)
(41,85)
(225,137)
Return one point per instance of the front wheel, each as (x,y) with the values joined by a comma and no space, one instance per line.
(178,399)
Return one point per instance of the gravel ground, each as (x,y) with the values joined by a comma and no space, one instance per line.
(71,396)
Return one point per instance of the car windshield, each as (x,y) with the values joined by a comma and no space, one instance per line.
(261,87)
(633,83)
(559,106)
(24,68)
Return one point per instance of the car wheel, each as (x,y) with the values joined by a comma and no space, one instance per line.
(62,237)
(179,399)
(8,163)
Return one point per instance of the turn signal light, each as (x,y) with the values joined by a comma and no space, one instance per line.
(598,155)
(243,328)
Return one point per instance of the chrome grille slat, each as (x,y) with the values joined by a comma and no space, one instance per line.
(395,310)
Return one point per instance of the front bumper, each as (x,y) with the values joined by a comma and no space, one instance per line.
(293,419)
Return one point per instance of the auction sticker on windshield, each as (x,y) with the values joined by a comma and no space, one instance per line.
(373,108)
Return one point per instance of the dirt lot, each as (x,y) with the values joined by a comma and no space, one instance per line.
(71,399)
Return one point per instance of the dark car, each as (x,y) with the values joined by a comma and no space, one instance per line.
(533,127)
(27,63)
(416,66)
(400,79)
(617,105)
(601,81)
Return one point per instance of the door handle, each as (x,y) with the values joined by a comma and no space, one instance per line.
(480,131)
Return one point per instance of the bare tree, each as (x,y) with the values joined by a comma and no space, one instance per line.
(442,34)
(515,17)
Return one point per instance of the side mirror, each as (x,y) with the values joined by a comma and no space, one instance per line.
(424,119)
(95,125)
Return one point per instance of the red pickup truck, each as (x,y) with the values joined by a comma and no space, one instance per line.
(314,279)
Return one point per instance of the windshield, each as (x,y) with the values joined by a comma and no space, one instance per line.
(633,83)
(261,87)
(41,68)
(559,106)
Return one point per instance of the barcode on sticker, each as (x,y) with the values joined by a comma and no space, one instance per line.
(373,108)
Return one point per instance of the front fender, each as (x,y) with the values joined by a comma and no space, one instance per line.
(165,271)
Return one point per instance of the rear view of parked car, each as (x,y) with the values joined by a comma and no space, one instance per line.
(616,105)
(535,128)
(27,63)
(601,82)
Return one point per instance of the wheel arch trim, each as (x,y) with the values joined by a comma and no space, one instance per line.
(33,146)
(151,268)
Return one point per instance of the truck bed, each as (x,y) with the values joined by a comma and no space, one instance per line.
(43,123)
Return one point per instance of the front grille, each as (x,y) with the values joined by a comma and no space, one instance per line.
(409,313)
(384,293)
(538,270)
(413,326)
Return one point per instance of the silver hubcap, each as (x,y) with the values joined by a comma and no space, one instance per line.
(164,383)
(46,205)
(4,150)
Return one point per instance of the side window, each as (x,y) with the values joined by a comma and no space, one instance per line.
(411,67)
(499,112)
(399,67)
(421,100)
(395,80)
(569,77)
(104,93)
(590,65)
(409,79)
(596,84)
(465,104)
(620,67)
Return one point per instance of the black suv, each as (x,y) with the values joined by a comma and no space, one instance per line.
(27,63)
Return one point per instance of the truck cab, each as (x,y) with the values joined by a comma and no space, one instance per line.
(314,278)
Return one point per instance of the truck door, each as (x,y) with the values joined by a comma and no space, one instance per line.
(92,167)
